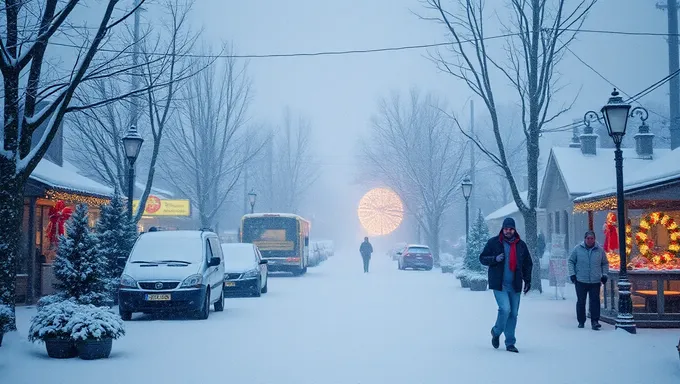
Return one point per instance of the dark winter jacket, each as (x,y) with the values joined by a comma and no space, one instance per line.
(366,249)
(493,248)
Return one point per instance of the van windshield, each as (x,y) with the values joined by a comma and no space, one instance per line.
(158,248)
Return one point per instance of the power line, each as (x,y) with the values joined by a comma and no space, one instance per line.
(368,50)
(609,82)
(632,99)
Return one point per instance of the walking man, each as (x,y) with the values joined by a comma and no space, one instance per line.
(588,266)
(366,249)
(509,262)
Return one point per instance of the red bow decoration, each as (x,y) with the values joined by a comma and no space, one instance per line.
(59,214)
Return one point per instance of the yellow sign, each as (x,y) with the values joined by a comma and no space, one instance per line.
(157,207)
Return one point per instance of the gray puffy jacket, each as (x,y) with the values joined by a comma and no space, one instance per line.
(589,265)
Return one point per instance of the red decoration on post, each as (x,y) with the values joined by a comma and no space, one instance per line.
(59,214)
(611,235)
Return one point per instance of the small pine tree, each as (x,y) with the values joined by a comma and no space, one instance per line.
(479,235)
(115,236)
(81,273)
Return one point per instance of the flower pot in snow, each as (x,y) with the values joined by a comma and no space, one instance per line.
(94,349)
(478,285)
(60,348)
(465,282)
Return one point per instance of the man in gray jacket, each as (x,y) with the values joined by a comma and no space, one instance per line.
(588,268)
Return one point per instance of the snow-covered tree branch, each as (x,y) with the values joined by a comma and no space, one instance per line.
(208,143)
(536,33)
(414,149)
(28,30)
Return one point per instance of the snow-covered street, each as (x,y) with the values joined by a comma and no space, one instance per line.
(338,325)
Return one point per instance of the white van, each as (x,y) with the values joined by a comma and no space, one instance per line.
(173,271)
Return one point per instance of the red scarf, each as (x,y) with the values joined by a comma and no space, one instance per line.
(513,250)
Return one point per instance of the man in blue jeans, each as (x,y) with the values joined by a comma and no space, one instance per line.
(509,262)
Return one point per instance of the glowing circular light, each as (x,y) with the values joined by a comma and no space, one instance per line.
(380,211)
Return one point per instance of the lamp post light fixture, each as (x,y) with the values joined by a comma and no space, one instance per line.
(466,186)
(132,142)
(615,114)
(252,197)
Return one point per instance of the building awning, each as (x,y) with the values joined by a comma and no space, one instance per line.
(67,184)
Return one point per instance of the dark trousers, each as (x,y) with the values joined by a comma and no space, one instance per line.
(593,293)
(366,259)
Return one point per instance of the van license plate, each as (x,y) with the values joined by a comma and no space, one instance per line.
(229,284)
(158,297)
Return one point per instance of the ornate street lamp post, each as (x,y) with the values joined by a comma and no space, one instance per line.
(132,142)
(466,186)
(252,197)
(616,113)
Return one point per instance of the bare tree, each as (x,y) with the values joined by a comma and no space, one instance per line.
(208,143)
(413,149)
(294,169)
(537,33)
(28,29)
(98,133)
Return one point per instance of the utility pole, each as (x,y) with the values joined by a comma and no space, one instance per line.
(270,172)
(671,8)
(472,153)
(135,63)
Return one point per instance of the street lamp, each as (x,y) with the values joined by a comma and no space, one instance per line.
(132,142)
(616,113)
(466,186)
(252,196)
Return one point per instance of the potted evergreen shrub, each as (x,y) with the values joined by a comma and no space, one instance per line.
(479,235)
(5,319)
(50,325)
(93,330)
(478,282)
(464,276)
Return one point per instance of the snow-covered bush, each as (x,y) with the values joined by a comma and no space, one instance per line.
(82,274)
(115,237)
(479,235)
(51,321)
(6,317)
(95,323)
(50,299)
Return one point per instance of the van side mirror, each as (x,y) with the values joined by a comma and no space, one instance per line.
(264,262)
(214,262)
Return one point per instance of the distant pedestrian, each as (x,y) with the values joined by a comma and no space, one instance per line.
(366,249)
(588,266)
(509,262)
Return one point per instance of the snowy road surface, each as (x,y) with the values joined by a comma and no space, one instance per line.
(337,325)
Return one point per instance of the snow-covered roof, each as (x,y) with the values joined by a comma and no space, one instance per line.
(289,215)
(665,169)
(68,179)
(508,209)
(158,192)
(583,174)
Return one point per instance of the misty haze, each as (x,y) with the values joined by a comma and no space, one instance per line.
(384,191)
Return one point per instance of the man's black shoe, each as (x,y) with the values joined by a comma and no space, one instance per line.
(581,325)
(495,340)
(597,326)
(511,348)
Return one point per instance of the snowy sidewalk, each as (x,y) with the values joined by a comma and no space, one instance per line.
(337,325)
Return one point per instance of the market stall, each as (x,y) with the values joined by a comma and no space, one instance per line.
(653,260)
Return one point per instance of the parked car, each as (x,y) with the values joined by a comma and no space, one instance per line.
(416,257)
(245,270)
(173,271)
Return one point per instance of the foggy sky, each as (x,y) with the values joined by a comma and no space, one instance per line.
(339,93)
